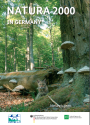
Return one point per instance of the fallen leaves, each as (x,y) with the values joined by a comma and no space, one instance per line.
(8,100)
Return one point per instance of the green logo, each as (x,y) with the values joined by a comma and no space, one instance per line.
(66,116)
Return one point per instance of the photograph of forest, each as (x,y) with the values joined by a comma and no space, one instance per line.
(44,56)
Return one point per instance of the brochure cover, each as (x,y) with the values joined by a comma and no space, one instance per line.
(44,61)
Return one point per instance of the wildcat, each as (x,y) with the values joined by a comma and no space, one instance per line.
(42,89)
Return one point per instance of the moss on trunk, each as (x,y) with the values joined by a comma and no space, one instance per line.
(61,96)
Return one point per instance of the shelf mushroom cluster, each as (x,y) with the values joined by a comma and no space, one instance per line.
(18,88)
(60,72)
(85,70)
(70,71)
(87,99)
(14,81)
(67,45)
(70,81)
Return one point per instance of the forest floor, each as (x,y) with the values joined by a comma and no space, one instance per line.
(14,102)
(12,99)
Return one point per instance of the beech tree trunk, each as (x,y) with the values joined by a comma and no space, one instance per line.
(6,43)
(75,28)
(14,48)
(27,51)
(31,41)
(52,45)
(28,46)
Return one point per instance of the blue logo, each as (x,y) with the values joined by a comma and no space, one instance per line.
(12,118)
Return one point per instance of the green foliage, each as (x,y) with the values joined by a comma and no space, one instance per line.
(16,38)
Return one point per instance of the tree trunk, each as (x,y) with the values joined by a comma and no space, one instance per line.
(11,69)
(28,46)
(31,41)
(6,43)
(59,50)
(52,45)
(14,59)
(25,63)
(14,48)
(75,28)
(27,52)
(38,61)
(31,48)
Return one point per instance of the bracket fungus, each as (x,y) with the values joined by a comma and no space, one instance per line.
(70,71)
(70,81)
(18,88)
(1,87)
(86,99)
(85,70)
(67,45)
(13,81)
(60,72)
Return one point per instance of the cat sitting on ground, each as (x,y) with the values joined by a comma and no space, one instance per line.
(42,89)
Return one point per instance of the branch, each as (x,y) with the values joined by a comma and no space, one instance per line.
(53,101)
(7,87)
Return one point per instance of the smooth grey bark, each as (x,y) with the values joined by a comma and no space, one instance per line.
(31,48)
(28,46)
(14,59)
(14,48)
(6,43)
(31,41)
(25,63)
(52,47)
(27,51)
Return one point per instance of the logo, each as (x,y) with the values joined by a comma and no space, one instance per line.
(42,117)
(66,116)
(33,118)
(72,117)
(12,118)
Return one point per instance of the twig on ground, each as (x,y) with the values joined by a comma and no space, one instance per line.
(53,101)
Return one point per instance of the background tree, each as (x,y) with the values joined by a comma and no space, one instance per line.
(77,57)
